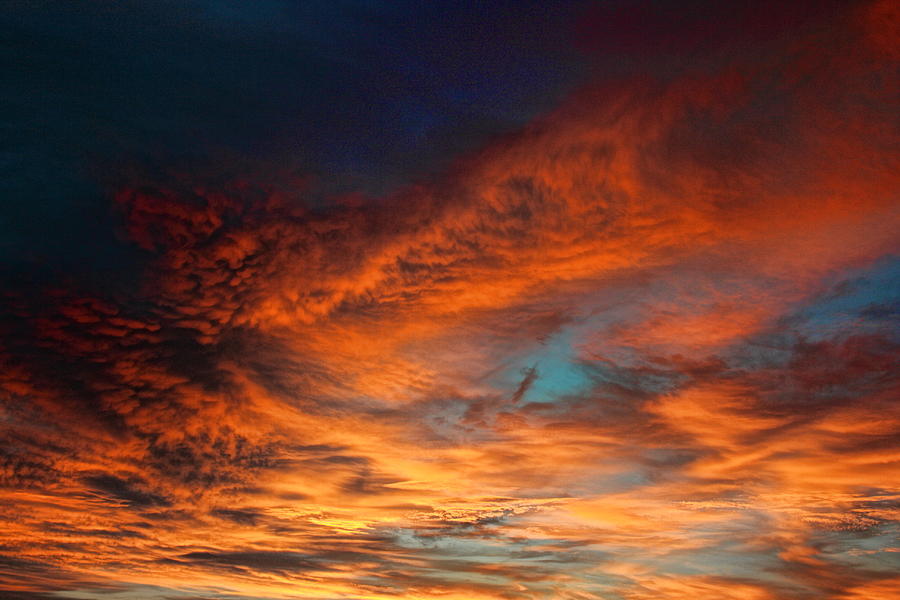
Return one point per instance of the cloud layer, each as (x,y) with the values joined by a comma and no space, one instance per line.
(646,347)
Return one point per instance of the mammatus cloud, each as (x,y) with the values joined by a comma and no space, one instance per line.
(644,348)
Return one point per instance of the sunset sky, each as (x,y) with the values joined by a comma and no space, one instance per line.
(507,300)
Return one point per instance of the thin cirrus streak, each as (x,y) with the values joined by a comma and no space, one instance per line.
(644,348)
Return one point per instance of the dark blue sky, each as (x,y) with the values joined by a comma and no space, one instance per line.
(361,96)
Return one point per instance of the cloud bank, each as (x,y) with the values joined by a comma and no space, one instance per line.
(644,347)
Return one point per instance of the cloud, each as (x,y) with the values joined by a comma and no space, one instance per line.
(641,347)
(120,489)
(259,560)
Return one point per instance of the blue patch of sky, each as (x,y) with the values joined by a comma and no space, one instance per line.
(875,548)
(559,371)
(864,300)
(861,301)
(724,550)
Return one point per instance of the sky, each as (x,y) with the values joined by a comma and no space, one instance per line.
(362,300)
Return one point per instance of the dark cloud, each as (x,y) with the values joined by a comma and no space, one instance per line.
(650,30)
(241,516)
(261,560)
(14,595)
(129,492)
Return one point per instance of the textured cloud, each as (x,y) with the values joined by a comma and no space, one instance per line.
(645,347)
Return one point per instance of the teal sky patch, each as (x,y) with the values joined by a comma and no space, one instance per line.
(559,372)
